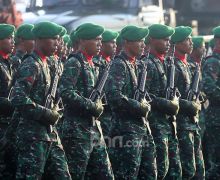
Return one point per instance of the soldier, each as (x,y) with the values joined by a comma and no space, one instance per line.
(187,118)
(6,81)
(211,84)
(75,42)
(119,44)
(163,129)
(39,146)
(66,50)
(81,132)
(129,129)
(24,42)
(108,51)
(194,59)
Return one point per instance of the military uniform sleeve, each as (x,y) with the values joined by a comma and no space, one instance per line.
(68,85)
(27,76)
(211,79)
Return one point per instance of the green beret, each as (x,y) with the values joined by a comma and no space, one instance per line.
(89,31)
(119,40)
(24,32)
(198,41)
(46,29)
(109,35)
(181,33)
(134,33)
(63,32)
(212,43)
(159,31)
(216,31)
(73,37)
(6,30)
(66,38)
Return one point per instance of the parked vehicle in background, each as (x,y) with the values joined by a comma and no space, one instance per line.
(112,14)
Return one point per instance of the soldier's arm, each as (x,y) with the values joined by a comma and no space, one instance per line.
(27,76)
(211,80)
(68,89)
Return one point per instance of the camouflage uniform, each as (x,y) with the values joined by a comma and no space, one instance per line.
(129,149)
(6,83)
(211,81)
(81,137)
(106,118)
(167,149)
(188,130)
(38,149)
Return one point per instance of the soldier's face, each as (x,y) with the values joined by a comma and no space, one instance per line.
(29,45)
(7,45)
(49,46)
(186,46)
(109,48)
(160,45)
(135,48)
(92,46)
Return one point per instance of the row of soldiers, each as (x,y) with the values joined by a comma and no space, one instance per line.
(105,105)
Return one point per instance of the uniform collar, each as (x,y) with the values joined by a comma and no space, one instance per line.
(42,56)
(88,58)
(107,58)
(4,55)
(158,55)
(181,57)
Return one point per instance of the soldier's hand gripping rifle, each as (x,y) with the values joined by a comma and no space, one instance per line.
(141,93)
(51,102)
(97,93)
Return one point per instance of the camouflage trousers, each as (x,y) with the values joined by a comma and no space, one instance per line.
(132,152)
(168,157)
(86,152)
(106,123)
(191,154)
(36,157)
(4,123)
(212,153)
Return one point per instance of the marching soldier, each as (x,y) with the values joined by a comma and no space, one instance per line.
(129,129)
(82,134)
(38,144)
(7,75)
(187,119)
(163,129)
(211,85)
(108,51)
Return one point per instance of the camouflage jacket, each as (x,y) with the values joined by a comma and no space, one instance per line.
(78,80)
(30,91)
(7,78)
(156,84)
(120,89)
(211,78)
(183,80)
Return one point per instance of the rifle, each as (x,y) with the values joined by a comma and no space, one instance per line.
(51,97)
(193,94)
(97,93)
(171,91)
(140,92)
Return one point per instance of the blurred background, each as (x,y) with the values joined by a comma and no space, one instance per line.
(201,15)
